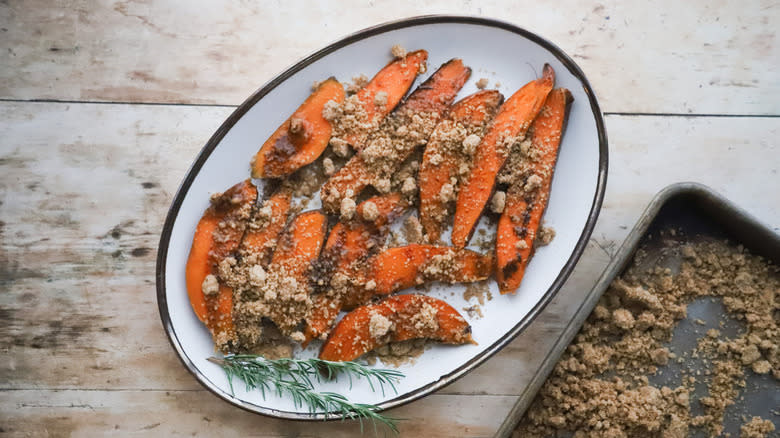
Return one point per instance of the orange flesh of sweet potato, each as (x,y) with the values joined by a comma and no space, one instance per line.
(523,211)
(352,337)
(394,79)
(207,251)
(302,138)
(402,267)
(347,244)
(198,263)
(472,112)
(512,121)
(432,97)
(261,241)
(406,266)
(300,244)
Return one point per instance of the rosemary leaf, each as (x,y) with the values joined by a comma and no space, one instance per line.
(297,376)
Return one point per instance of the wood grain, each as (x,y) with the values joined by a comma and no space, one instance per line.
(84,187)
(714,57)
(149,413)
(83,202)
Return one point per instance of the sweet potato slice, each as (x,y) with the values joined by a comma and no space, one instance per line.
(291,268)
(300,244)
(212,243)
(388,146)
(526,202)
(301,138)
(512,121)
(199,264)
(406,266)
(446,156)
(398,318)
(349,244)
(267,222)
(394,80)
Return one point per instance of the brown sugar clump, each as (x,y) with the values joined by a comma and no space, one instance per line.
(398,51)
(757,427)
(600,385)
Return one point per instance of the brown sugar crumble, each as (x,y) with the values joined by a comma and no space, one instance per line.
(756,428)
(600,386)
(398,51)
(482,83)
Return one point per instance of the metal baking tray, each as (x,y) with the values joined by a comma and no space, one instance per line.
(695,210)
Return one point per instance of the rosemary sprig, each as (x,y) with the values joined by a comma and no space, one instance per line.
(297,376)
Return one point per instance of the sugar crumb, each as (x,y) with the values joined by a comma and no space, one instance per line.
(398,51)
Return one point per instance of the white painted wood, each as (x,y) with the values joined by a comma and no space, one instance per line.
(189,413)
(74,211)
(714,57)
(84,188)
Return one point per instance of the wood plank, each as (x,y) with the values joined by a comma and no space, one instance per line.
(189,413)
(713,57)
(83,203)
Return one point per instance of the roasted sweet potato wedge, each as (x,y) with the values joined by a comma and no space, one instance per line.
(302,138)
(406,128)
(402,267)
(512,121)
(394,80)
(300,244)
(218,235)
(267,223)
(448,155)
(291,266)
(350,244)
(199,264)
(527,198)
(398,318)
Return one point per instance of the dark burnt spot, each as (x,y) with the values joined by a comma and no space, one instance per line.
(116,233)
(117,254)
(512,267)
(521,232)
(54,49)
(148,185)
(140,252)
(526,216)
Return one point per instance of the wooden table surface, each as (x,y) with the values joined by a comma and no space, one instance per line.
(104,105)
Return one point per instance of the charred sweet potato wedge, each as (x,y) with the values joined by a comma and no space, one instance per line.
(445,155)
(268,222)
(212,243)
(512,121)
(526,201)
(402,267)
(302,138)
(349,244)
(398,318)
(394,80)
(428,102)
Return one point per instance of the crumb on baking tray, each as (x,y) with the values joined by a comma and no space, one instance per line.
(600,385)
